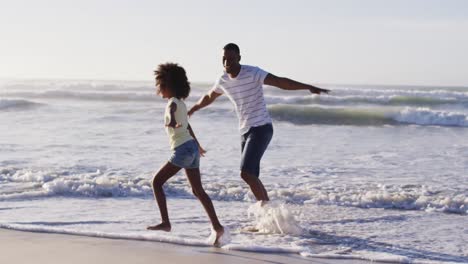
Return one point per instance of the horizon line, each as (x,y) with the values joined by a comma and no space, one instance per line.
(211,82)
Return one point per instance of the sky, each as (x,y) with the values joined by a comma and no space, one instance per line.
(412,42)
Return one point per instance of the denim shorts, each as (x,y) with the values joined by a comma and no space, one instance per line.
(253,144)
(186,155)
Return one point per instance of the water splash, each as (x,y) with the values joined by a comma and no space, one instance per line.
(274,218)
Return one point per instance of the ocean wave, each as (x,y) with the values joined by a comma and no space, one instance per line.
(12,104)
(404,92)
(91,96)
(91,182)
(85,182)
(402,96)
(144,91)
(391,197)
(113,96)
(385,100)
(82,85)
(426,116)
(305,115)
(102,86)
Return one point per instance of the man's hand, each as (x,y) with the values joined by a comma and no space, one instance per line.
(192,110)
(288,84)
(317,90)
(206,100)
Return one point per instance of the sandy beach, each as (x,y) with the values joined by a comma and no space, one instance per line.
(27,247)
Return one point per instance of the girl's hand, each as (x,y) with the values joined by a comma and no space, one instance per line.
(174,125)
(202,151)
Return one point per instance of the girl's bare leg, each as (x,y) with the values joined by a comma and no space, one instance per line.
(195,181)
(164,174)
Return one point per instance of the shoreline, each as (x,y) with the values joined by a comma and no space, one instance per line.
(28,247)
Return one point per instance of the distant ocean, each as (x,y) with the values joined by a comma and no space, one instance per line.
(367,172)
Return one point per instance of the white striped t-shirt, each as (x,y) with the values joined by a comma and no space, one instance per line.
(246,92)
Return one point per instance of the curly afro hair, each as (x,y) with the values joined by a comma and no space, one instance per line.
(173,77)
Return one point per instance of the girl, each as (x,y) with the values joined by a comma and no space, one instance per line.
(172,84)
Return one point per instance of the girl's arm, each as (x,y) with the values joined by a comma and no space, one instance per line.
(200,149)
(173,123)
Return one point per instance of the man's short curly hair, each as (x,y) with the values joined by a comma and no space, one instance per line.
(173,77)
(233,47)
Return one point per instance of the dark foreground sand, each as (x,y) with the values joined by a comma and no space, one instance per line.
(37,248)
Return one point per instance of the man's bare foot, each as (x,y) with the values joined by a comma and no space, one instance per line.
(219,234)
(163,227)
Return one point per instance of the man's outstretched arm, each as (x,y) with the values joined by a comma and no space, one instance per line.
(288,84)
(204,101)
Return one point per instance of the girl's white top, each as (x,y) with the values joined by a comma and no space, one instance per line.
(179,135)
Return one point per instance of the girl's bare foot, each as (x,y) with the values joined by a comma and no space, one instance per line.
(219,234)
(163,227)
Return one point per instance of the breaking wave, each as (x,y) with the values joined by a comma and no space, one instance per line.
(384,100)
(304,115)
(91,96)
(92,182)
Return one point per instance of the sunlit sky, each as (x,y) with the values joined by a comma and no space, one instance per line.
(415,42)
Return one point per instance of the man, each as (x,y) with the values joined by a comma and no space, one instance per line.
(243,84)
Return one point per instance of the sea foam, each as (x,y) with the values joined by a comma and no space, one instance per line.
(79,182)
